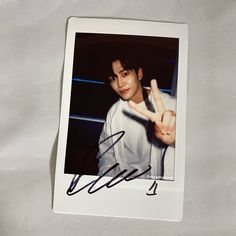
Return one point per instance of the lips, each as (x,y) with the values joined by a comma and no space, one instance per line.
(124,91)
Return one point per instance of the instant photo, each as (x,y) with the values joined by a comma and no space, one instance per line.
(121,147)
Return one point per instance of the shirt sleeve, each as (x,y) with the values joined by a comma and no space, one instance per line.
(106,153)
(169,102)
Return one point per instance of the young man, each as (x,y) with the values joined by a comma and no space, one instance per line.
(147,117)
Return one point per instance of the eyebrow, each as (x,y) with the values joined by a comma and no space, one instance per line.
(121,71)
(113,74)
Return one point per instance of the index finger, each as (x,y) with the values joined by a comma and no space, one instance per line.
(157,96)
(150,115)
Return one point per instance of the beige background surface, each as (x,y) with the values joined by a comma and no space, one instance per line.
(32,40)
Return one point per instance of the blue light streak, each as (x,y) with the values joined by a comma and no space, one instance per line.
(88,81)
(86,118)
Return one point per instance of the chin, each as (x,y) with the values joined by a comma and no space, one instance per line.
(125,98)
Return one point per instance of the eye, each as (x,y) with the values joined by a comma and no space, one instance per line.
(124,73)
(111,78)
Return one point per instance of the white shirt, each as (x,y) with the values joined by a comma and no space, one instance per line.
(136,149)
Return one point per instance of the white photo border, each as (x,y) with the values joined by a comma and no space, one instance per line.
(128,199)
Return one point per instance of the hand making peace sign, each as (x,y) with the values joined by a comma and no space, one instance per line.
(164,120)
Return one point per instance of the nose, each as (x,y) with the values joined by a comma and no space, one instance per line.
(120,81)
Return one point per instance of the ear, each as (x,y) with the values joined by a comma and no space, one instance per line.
(140,73)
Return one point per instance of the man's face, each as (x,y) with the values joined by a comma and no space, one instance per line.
(126,83)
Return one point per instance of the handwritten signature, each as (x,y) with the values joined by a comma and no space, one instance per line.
(93,185)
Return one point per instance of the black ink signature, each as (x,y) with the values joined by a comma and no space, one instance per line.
(154,187)
(111,183)
(92,188)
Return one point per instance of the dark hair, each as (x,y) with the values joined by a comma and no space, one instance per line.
(127,61)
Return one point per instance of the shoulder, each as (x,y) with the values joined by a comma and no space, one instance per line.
(167,98)
(169,101)
(114,109)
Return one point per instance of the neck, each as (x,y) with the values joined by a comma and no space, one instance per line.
(140,96)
